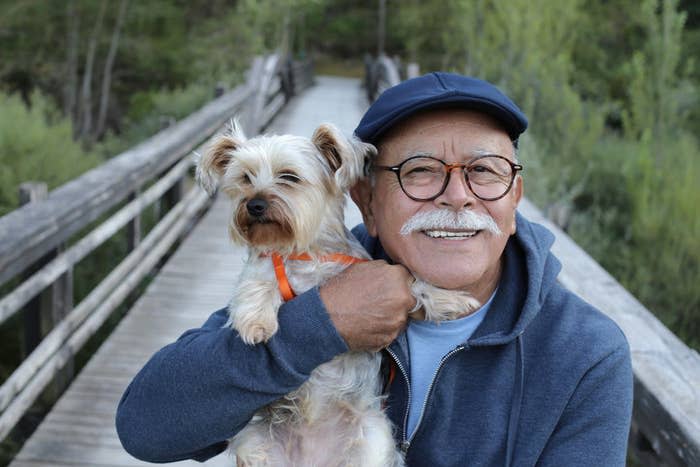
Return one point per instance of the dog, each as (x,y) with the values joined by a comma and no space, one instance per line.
(288,197)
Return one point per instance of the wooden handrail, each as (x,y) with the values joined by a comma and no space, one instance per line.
(65,340)
(666,418)
(41,279)
(28,233)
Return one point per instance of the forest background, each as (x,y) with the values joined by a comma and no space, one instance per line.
(611,88)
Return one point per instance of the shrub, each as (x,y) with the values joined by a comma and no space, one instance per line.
(639,216)
(37,145)
(151,111)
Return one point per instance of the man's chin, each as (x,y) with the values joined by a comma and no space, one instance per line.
(452,281)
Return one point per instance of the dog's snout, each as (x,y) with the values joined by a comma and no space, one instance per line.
(256,207)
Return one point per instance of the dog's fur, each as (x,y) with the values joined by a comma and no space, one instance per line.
(335,418)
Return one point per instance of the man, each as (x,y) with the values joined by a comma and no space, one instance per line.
(535,376)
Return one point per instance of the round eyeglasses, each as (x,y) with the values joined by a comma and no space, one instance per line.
(424,178)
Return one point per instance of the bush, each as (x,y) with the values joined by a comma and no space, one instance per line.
(37,145)
(639,216)
(152,111)
(665,232)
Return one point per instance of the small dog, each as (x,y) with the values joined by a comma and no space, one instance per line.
(288,196)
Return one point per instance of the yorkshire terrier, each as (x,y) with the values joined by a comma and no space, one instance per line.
(288,195)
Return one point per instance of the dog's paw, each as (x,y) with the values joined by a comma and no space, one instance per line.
(256,332)
(254,317)
(442,304)
(254,326)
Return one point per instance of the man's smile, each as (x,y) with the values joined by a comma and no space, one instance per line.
(450,234)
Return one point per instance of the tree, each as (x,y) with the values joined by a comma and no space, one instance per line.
(657,77)
(85,109)
(107,74)
(71,82)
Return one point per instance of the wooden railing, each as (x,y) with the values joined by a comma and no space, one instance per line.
(666,418)
(380,74)
(38,241)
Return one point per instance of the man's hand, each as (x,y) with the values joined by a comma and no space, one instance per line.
(369,303)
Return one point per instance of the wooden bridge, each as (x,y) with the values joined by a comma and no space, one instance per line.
(197,277)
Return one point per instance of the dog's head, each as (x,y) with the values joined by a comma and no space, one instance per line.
(282,186)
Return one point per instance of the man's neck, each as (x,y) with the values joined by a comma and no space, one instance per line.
(482,292)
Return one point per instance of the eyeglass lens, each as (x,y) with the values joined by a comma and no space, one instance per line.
(490,177)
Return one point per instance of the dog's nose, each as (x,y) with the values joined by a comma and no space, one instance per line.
(256,207)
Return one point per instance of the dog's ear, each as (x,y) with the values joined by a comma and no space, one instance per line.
(211,166)
(346,157)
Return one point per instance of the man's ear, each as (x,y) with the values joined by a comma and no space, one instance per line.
(347,158)
(518,189)
(211,166)
(361,194)
(517,195)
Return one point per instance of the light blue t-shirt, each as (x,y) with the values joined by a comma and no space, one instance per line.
(428,343)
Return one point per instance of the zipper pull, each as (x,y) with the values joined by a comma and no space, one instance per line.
(404,446)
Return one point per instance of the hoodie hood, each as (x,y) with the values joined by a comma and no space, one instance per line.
(526,259)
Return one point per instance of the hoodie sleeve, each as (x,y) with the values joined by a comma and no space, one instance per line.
(196,393)
(594,427)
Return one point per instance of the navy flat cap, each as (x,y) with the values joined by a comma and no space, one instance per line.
(439,90)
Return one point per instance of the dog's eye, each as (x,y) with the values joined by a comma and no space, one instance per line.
(290,177)
(246,178)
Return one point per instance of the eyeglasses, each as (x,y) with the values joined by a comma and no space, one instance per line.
(424,178)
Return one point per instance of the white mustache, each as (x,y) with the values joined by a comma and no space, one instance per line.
(444,219)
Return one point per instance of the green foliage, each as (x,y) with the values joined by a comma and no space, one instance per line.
(641,220)
(164,45)
(152,111)
(532,41)
(611,94)
(665,228)
(352,26)
(656,75)
(36,144)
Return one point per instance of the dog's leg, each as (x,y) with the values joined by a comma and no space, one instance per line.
(377,444)
(253,310)
(252,447)
(442,304)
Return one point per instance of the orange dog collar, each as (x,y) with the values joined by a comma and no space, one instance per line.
(281,274)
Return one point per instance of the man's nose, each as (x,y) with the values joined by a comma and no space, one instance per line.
(457,194)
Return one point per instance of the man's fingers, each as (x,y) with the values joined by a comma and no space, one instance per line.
(369,302)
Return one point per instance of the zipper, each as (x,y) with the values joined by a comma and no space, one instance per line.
(430,389)
(406,442)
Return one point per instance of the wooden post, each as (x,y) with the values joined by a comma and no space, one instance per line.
(287,78)
(133,229)
(412,70)
(219,89)
(49,307)
(174,194)
(641,449)
(34,319)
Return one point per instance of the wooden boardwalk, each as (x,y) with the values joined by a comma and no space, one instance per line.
(196,281)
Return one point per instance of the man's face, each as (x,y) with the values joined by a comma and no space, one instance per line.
(470,263)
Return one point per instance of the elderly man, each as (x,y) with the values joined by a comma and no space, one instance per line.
(535,376)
